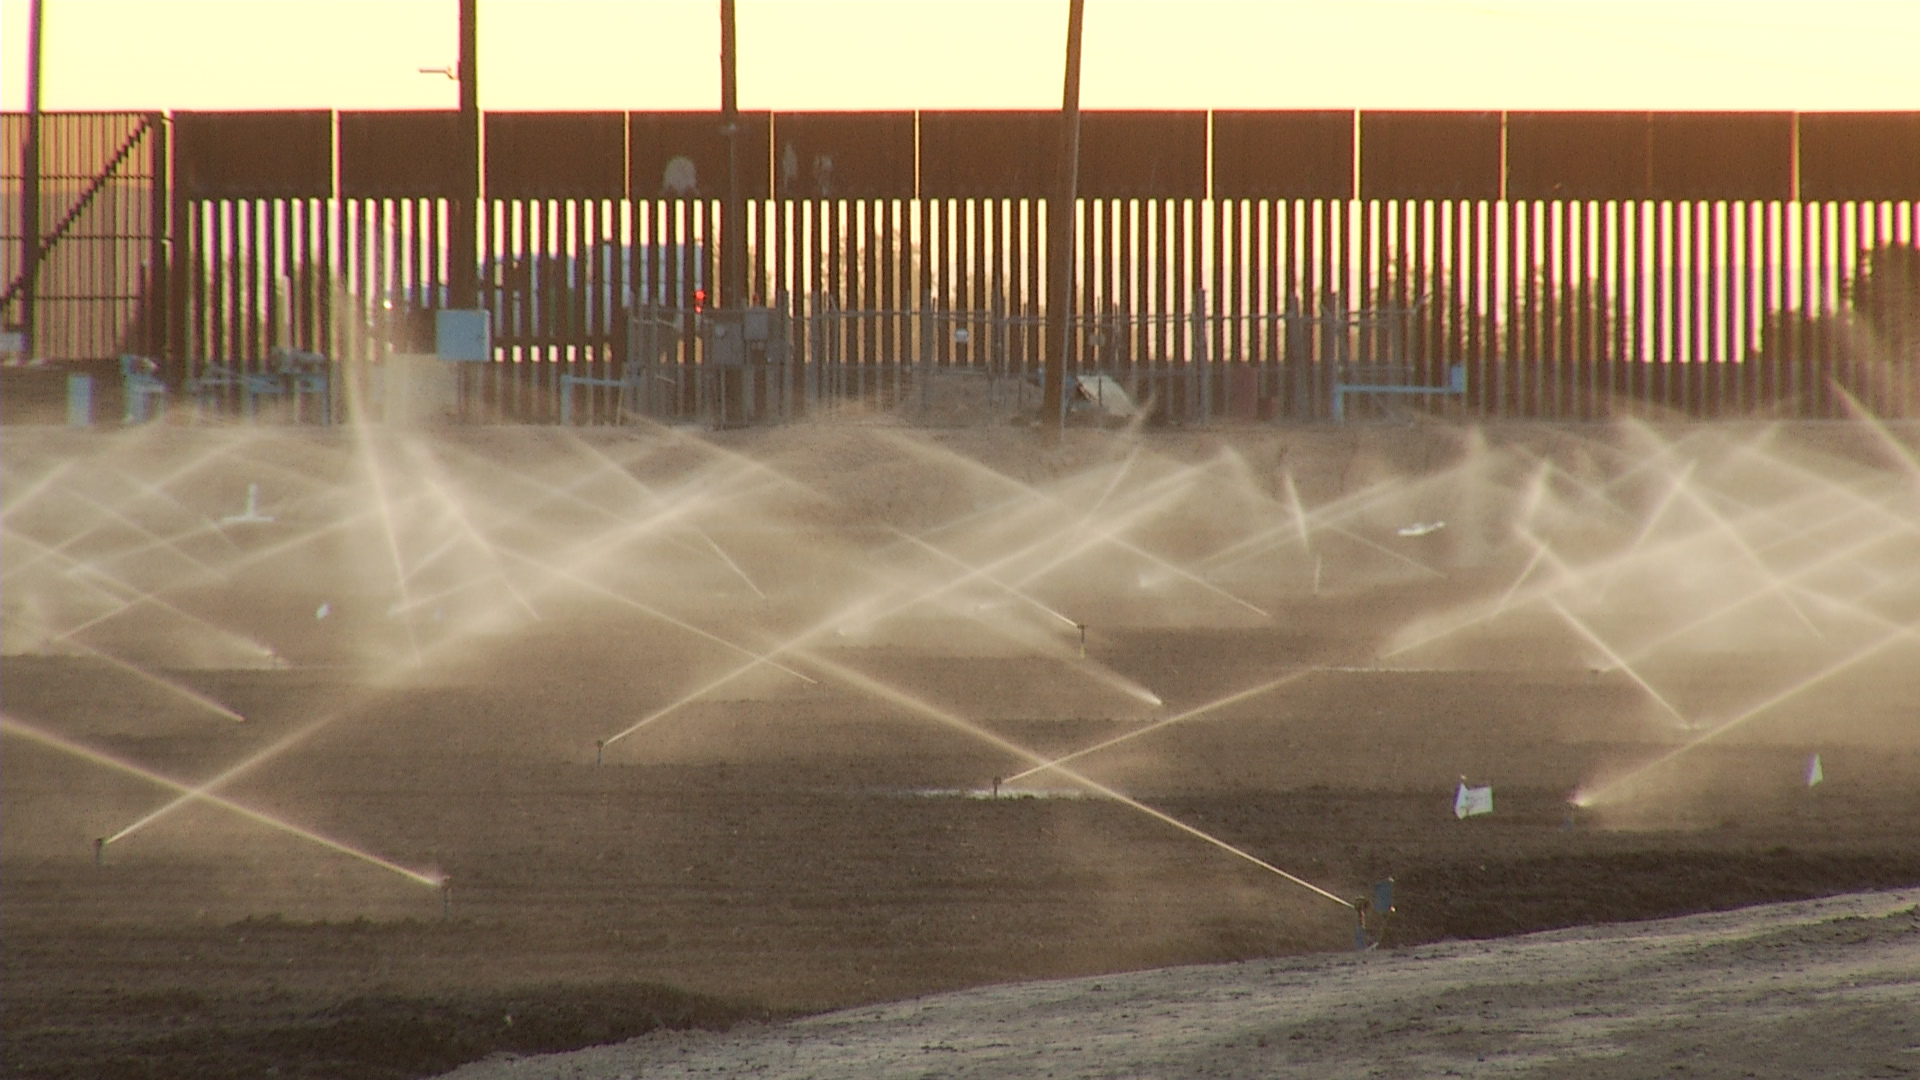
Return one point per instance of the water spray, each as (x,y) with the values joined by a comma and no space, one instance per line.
(127,596)
(1602,794)
(973,572)
(673,620)
(42,737)
(1230,699)
(933,712)
(228,775)
(1147,500)
(178,689)
(1620,664)
(170,545)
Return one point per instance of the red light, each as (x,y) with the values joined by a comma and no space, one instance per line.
(699,301)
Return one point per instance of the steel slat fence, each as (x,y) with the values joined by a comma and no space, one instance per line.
(1222,307)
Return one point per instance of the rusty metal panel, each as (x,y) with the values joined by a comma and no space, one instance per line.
(1722,155)
(400,154)
(1283,155)
(1143,155)
(684,155)
(1860,155)
(1010,155)
(254,155)
(1430,155)
(556,155)
(1578,155)
(868,155)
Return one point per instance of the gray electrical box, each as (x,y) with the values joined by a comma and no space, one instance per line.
(755,335)
(726,344)
(465,335)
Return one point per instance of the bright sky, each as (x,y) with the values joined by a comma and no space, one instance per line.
(1808,55)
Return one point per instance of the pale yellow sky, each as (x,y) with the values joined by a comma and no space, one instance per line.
(1809,55)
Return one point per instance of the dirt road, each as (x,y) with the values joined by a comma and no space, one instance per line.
(1827,988)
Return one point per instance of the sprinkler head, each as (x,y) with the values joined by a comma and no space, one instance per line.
(99,851)
(446,898)
(996,787)
(599,751)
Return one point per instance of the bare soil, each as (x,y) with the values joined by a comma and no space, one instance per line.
(792,848)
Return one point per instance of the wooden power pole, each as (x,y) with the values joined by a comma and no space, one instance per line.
(463,284)
(1061,237)
(733,223)
(30,190)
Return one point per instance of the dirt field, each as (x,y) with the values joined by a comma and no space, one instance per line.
(1827,988)
(835,642)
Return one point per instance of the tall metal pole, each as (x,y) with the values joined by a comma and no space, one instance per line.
(463,286)
(30,188)
(1061,237)
(733,219)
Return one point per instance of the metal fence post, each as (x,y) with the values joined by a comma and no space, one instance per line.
(1203,329)
(1199,366)
(927,329)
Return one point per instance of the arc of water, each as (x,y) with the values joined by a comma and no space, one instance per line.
(186,692)
(231,773)
(1221,703)
(646,490)
(1680,487)
(821,626)
(1601,794)
(126,596)
(1110,533)
(670,619)
(1905,455)
(970,574)
(155,541)
(1011,590)
(1385,550)
(187,468)
(128,603)
(1620,663)
(448,643)
(1301,521)
(17,497)
(950,719)
(375,474)
(34,733)
(1611,563)
(432,474)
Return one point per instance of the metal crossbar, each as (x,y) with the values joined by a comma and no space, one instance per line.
(1389,380)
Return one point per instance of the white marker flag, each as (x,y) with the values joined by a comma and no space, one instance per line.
(1469,801)
(1814,773)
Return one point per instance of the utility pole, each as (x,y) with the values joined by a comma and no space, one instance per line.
(30,189)
(1061,237)
(463,286)
(733,218)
